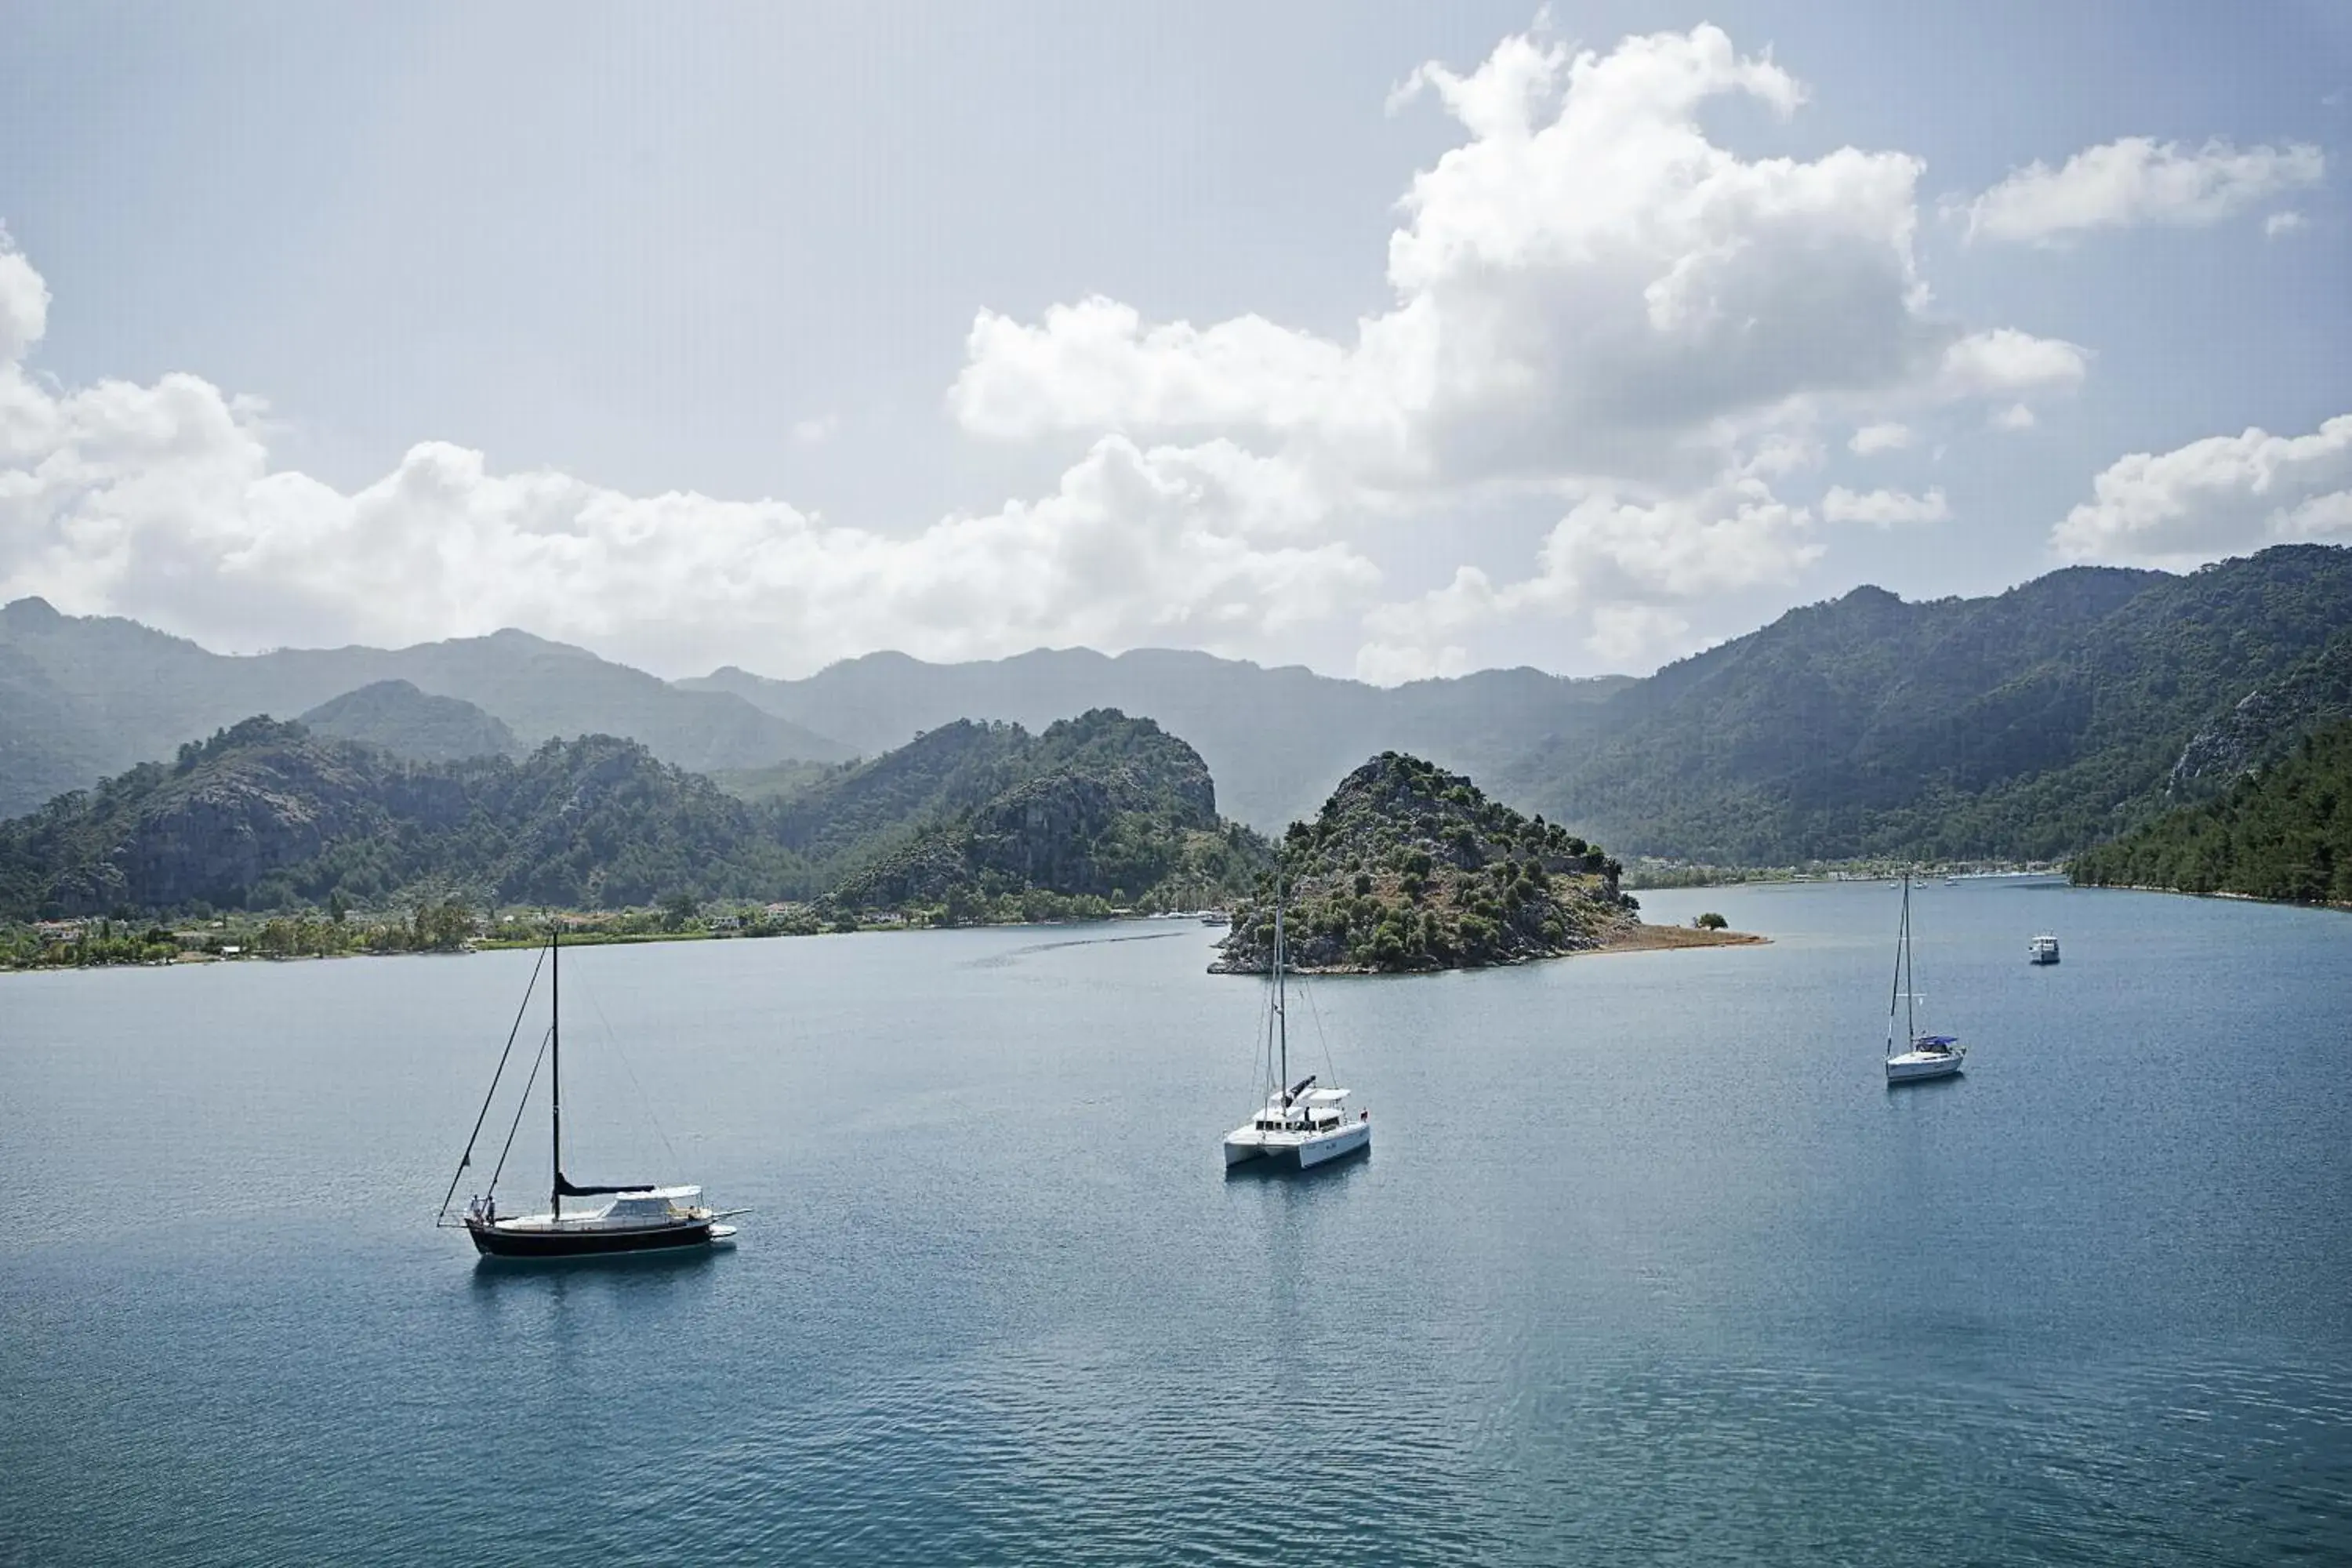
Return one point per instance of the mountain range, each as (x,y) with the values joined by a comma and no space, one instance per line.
(974,822)
(2027,724)
(85,697)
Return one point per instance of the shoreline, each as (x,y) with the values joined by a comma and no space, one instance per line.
(581,937)
(1647,938)
(1640,936)
(2339,906)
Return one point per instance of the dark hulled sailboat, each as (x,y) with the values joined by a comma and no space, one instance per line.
(635,1216)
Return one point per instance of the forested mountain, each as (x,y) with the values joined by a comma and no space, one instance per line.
(2284,832)
(2028,725)
(1274,738)
(1408,866)
(1101,806)
(395,716)
(273,815)
(268,816)
(83,697)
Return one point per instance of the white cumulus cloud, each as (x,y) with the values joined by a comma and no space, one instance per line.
(2282,223)
(161,502)
(1586,285)
(2221,496)
(1630,565)
(2135,180)
(1883,438)
(1884,509)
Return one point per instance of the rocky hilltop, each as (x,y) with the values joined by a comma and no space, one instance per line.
(396,717)
(1408,866)
(1097,807)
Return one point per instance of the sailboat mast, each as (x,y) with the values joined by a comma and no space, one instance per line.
(1281,1013)
(1911,976)
(555,1068)
(1902,942)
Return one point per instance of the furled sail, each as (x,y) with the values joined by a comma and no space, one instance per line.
(564,1185)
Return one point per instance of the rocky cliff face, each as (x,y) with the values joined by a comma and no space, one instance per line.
(232,825)
(2263,725)
(1408,866)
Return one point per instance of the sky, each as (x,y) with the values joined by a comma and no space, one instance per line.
(1393,340)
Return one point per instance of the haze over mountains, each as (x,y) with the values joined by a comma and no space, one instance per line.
(85,697)
(2030,723)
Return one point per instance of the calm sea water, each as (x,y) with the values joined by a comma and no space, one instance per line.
(1648,1264)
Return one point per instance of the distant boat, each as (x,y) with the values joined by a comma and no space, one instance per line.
(1299,1125)
(636,1216)
(1926,1055)
(2042,949)
(1215,918)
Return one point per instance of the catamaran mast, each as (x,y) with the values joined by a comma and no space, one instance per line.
(555,1068)
(1281,1016)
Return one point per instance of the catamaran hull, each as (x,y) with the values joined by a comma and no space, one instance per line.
(492,1241)
(1304,1153)
(1901,1071)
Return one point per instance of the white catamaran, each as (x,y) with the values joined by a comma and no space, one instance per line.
(1927,1056)
(1300,1124)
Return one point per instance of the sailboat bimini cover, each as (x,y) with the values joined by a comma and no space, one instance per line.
(658,1204)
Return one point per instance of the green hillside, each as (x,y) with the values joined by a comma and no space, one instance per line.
(2284,832)
(2028,725)
(1408,866)
(1099,806)
(976,822)
(268,816)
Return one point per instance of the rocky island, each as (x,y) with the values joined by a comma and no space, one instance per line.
(1408,866)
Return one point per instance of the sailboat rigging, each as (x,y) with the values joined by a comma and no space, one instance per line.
(639,1216)
(1298,1124)
(1925,1056)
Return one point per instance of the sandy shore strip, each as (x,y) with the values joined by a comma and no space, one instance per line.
(1650,938)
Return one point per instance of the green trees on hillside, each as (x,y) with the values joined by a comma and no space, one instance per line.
(268,816)
(2030,726)
(2282,833)
(1409,866)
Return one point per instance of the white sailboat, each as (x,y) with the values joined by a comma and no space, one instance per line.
(1926,1055)
(1300,1124)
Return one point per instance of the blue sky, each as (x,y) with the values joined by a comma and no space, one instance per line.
(762,335)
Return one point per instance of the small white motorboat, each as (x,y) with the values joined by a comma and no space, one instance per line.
(2042,949)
